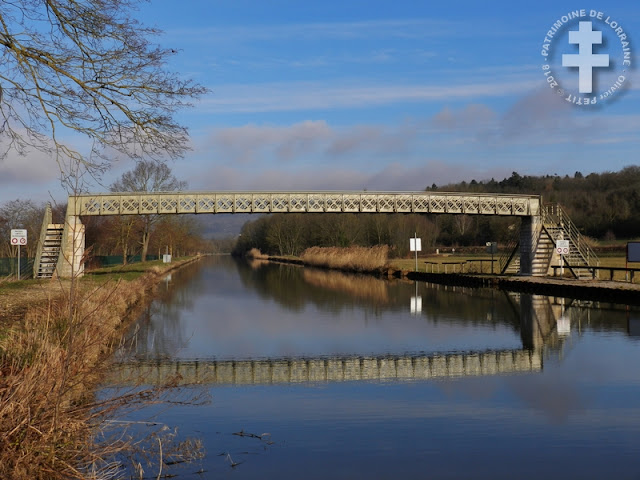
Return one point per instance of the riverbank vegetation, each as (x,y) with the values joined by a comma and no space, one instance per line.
(292,233)
(359,259)
(50,362)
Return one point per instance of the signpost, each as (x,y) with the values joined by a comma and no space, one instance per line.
(415,245)
(19,238)
(562,247)
(492,248)
(633,254)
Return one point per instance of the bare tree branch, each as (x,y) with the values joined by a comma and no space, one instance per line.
(87,67)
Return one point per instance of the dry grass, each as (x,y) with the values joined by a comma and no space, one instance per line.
(359,259)
(255,253)
(49,365)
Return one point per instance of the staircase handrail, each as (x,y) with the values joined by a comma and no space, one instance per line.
(507,255)
(43,235)
(552,213)
(509,252)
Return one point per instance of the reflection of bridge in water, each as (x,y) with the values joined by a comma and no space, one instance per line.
(538,317)
(330,369)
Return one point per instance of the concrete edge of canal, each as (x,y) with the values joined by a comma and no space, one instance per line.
(600,290)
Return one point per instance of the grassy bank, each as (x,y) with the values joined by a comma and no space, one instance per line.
(50,361)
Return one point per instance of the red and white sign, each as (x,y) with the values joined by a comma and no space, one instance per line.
(562,247)
(18,236)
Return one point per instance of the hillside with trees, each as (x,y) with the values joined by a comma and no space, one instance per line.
(604,206)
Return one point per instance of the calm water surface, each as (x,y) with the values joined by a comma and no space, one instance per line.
(353,377)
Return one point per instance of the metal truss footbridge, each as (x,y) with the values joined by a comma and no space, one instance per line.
(302,202)
(61,247)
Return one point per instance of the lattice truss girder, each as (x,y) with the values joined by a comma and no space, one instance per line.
(271,202)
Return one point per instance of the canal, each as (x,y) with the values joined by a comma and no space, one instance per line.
(318,374)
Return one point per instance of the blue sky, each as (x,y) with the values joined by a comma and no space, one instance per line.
(379,95)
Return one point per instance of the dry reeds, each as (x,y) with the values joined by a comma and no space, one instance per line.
(359,259)
(255,253)
(48,368)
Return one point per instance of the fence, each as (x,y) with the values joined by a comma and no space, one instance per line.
(476,265)
(9,267)
(622,274)
(99,261)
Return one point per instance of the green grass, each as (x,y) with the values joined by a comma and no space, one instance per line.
(615,261)
(127,272)
(410,263)
(17,285)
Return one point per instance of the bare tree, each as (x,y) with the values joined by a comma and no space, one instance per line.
(148,176)
(463,223)
(87,67)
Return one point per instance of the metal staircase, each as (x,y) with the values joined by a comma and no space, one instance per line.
(49,246)
(556,225)
(544,253)
(50,251)
(509,260)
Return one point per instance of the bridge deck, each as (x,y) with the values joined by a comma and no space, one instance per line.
(321,202)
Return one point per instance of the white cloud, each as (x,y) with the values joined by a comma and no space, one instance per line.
(389,177)
(292,96)
(311,140)
(398,28)
(34,168)
(247,143)
(472,116)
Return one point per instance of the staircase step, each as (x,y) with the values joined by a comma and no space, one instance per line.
(50,250)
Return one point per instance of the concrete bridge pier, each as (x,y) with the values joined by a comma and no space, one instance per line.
(529,232)
(70,262)
(537,321)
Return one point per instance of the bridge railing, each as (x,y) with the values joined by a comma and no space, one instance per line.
(553,214)
(272,202)
(43,234)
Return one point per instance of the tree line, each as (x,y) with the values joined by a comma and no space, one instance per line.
(604,206)
(121,235)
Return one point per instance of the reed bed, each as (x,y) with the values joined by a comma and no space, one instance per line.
(49,365)
(255,253)
(358,259)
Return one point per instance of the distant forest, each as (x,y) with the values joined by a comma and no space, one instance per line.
(604,206)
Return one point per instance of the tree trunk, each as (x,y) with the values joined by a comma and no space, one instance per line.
(145,246)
